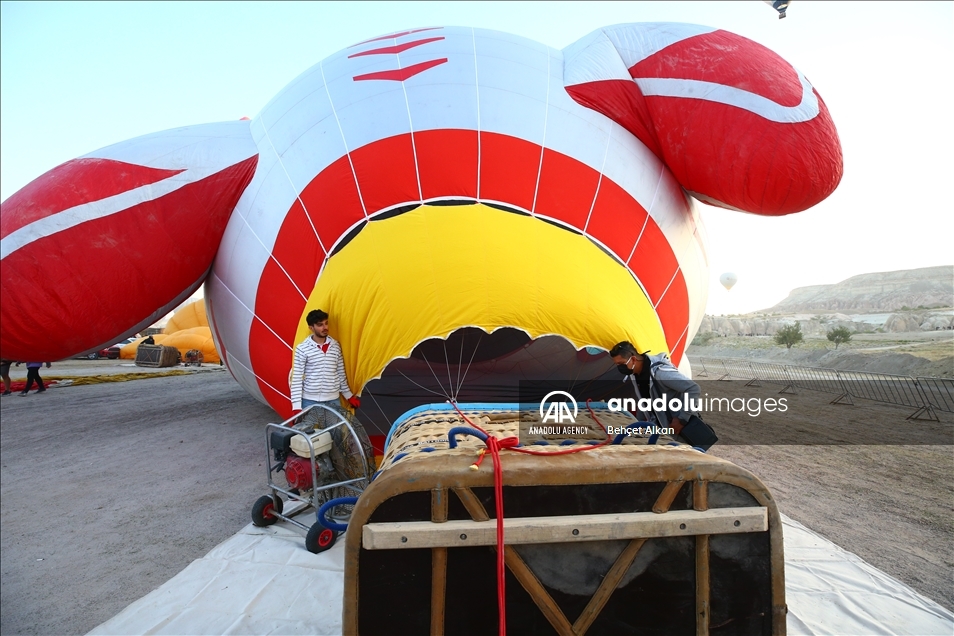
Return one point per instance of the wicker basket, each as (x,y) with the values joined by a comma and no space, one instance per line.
(628,538)
(156,356)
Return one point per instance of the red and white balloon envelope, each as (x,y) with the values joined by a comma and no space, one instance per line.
(516,204)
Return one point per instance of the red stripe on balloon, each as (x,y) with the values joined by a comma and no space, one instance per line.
(334,205)
(386,172)
(565,192)
(138,273)
(400,74)
(654,264)
(303,257)
(508,170)
(725,58)
(670,309)
(395,35)
(441,177)
(271,362)
(676,354)
(508,173)
(397,48)
(617,219)
(71,184)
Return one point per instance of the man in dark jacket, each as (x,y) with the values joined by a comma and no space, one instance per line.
(656,379)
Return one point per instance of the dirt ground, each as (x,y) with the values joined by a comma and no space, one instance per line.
(108,490)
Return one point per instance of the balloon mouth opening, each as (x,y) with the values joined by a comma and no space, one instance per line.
(474,366)
(471,344)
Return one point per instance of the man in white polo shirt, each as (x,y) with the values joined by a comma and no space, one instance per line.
(318,372)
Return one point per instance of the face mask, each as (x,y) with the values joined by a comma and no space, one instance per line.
(622,368)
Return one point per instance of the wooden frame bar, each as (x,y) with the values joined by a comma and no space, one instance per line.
(438,564)
(565,529)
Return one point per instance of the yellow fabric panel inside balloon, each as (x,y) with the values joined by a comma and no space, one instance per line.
(428,272)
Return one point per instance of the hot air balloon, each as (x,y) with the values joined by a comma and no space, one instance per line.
(471,207)
(728,280)
(779,5)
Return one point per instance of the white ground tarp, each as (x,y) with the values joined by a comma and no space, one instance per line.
(263,581)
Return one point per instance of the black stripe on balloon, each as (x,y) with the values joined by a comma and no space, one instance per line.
(347,238)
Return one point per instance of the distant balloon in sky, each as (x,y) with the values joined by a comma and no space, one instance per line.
(728,280)
(779,5)
(421,183)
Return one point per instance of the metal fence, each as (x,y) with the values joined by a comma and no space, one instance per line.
(925,394)
(939,392)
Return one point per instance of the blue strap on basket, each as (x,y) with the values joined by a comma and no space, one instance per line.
(463,430)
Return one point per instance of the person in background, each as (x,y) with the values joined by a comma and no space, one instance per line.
(5,374)
(33,375)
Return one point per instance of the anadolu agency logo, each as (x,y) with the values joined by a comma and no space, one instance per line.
(554,411)
(753,407)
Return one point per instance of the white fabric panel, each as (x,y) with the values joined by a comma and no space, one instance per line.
(507,46)
(672,213)
(267,200)
(805,110)
(505,112)
(233,323)
(512,82)
(633,167)
(444,96)
(317,146)
(262,580)
(695,268)
(241,267)
(299,88)
(577,135)
(591,59)
(636,42)
(217,145)
(257,129)
(311,109)
(442,106)
(369,115)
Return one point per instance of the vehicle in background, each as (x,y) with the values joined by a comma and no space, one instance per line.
(112,352)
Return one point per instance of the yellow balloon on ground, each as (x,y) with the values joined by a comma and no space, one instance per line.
(187,316)
(199,338)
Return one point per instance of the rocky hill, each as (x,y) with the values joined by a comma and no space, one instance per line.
(924,288)
(819,323)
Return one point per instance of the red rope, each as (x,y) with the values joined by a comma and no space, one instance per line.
(494,446)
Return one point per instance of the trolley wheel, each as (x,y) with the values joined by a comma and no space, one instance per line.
(263,508)
(320,538)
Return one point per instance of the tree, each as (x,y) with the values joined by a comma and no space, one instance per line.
(839,335)
(703,339)
(789,335)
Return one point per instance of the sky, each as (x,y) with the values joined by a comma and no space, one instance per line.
(79,76)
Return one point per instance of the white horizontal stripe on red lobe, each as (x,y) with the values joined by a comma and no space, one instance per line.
(79,214)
